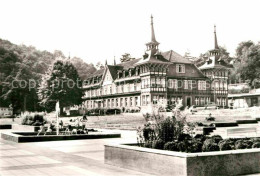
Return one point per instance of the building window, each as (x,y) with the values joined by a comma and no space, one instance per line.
(219,101)
(105,103)
(112,103)
(153,83)
(122,88)
(207,100)
(216,85)
(180,68)
(135,86)
(190,84)
(143,99)
(147,99)
(121,102)
(202,85)
(223,102)
(170,83)
(197,101)
(161,98)
(117,102)
(125,101)
(108,103)
(202,101)
(131,101)
(155,99)
(175,84)
(128,87)
(179,100)
(173,100)
(136,101)
(185,84)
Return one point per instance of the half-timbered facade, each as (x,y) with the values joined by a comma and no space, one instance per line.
(158,78)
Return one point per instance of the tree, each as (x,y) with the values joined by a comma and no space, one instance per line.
(126,57)
(82,67)
(62,83)
(250,64)
(100,66)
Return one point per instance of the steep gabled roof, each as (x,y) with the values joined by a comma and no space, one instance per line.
(174,57)
(113,70)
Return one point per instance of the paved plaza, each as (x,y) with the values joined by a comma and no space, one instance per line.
(78,157)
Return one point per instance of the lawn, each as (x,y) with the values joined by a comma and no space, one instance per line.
(133,120)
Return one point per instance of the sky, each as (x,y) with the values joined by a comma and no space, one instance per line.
(99,30)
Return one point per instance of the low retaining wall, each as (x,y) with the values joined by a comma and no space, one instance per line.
(25,128)
(160,162)
(12,136)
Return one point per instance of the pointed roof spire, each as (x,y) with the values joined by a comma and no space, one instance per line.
(152,30)
(216,41)
(153,44)
(114,60)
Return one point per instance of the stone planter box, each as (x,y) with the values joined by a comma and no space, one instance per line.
(25,128)
(20,137)
(161,162)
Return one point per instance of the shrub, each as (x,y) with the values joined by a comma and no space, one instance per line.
(200,137)
(210,145)
(166,129)
(148,144)
(183,137)
(158,144)
(24,120)
(217,138)
(226,144)
(195,146)
(182,146)
(148,132)
(256,145)
(38,117)
(249,143)
(172,146)
(240,144)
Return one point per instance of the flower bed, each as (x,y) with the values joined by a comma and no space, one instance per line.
(182,152)
(32,137)
(162,162)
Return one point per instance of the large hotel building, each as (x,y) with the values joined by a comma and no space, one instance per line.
(158,79)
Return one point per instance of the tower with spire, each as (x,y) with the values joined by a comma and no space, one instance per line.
(153,44)
(215,51)
(218,71)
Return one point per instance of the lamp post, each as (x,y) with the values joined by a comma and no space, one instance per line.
(57,107)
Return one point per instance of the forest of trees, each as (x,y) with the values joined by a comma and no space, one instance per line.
(20,62)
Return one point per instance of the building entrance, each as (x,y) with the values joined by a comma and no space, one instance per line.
(188,101)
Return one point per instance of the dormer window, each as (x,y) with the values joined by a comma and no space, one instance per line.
(180,68)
